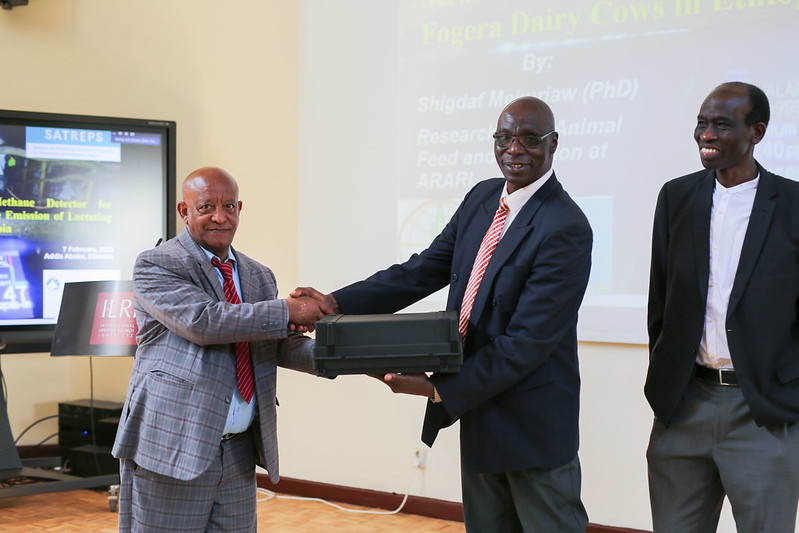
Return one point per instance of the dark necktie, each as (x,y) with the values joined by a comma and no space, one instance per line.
(244,374)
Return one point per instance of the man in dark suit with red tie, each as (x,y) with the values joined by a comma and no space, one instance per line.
(517,395)
(723,376)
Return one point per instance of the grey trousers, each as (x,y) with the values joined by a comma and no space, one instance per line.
(220,499)
(713,448)
(529,501)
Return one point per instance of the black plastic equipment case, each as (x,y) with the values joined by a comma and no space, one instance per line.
(377,344)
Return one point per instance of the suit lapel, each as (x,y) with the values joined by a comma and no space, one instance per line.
(522,225)
(205,265)
(759,222)
(514,236)
(701,227)
(481,217)
(245,279)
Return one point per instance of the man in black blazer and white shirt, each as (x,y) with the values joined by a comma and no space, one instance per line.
(723,321)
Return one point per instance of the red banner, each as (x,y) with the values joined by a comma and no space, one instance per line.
(114,319)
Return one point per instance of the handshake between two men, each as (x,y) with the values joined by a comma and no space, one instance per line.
(307,306)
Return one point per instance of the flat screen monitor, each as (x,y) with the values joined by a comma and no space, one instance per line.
(80,197)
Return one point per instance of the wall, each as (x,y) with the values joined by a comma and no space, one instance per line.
(226,75)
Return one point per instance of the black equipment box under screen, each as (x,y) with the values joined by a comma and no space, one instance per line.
(378,344)
(86,433)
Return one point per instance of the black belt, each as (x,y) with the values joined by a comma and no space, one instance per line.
(230,436)
(717,376)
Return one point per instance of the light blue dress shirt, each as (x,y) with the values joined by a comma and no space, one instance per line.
(241,414)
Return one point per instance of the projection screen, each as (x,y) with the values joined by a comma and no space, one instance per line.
(398,101)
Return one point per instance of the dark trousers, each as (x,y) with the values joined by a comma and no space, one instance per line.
(529,501)
(713,448)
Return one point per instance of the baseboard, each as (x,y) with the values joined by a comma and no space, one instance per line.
(33,451)
(429,507)
(365,498)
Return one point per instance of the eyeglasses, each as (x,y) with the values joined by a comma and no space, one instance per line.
(527,141)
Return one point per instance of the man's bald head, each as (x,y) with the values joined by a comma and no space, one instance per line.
(210,208)
(201,177)
(525,141)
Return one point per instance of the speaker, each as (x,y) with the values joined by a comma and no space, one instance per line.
(85,446)
(88,460)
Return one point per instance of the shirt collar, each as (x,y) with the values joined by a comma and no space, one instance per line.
(518,198)
(741,187)
(230,255)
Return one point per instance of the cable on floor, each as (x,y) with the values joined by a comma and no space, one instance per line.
(270,494)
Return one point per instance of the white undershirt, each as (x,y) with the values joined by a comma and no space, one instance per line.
(729,218)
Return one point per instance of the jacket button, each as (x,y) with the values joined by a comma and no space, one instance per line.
(454,276)
(493,302)
(227,399)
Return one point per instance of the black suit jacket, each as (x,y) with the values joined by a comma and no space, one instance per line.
(517,395)
(762,326)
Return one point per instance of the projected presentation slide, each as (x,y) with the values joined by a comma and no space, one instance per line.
(625,80)
(74,206)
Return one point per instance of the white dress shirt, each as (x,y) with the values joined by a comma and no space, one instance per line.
(729,218)
(516,200)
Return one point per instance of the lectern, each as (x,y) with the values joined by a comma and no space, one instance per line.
(96,318)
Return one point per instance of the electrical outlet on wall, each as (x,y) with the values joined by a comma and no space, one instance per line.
(420,458)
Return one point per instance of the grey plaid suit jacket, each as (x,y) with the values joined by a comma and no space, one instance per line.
(185,372)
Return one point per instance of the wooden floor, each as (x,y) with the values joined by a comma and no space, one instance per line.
(88,511)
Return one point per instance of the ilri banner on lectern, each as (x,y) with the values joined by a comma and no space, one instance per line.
(96,318)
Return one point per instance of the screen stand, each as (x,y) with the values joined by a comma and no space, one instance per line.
(9,458)
(32,475)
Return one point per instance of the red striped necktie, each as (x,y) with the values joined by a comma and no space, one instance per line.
(487,248)
(244,373)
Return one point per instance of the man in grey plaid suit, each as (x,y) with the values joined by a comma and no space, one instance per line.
(188,441)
